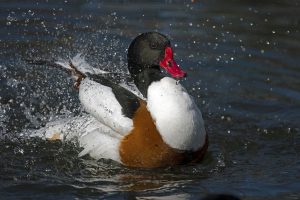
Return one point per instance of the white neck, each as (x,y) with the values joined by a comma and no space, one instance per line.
(176,115)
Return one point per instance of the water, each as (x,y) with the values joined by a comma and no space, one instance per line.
(242,58)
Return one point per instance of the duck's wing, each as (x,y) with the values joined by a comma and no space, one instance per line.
(109,103)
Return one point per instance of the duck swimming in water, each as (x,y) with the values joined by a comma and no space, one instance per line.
(163,127)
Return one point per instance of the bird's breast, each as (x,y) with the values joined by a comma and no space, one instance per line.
(144,146)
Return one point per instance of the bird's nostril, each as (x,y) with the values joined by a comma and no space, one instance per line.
(169,63)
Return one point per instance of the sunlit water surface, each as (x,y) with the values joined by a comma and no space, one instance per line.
(242,58)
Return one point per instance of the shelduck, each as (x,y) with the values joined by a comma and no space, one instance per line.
(162,127)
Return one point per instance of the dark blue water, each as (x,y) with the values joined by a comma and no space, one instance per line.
(242,58)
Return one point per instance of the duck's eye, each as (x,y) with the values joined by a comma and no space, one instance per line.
(153,46)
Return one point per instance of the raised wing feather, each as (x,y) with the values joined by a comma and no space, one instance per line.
(108,106)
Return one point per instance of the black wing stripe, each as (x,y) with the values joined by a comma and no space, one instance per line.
(129,101)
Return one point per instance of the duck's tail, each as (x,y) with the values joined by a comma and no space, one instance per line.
(76,66)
